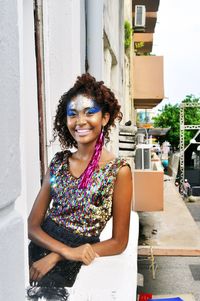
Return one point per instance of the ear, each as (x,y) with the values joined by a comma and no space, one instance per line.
(105,119)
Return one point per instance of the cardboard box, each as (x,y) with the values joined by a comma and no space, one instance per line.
(148,190)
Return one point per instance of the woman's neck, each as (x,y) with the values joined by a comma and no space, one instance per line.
(85,152)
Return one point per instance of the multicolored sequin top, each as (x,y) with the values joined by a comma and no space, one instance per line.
(82,211)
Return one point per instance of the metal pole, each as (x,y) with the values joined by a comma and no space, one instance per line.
(182,144)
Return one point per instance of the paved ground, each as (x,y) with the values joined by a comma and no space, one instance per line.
(194,208)
(174,274)
(172,231)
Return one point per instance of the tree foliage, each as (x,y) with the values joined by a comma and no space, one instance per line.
(169,117)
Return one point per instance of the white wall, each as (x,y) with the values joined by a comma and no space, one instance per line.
(111,24)
(114,29)
(29,130)
(12,277)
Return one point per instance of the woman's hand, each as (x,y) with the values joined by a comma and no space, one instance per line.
(42,266)
(84,253)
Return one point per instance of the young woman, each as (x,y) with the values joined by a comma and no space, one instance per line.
(80,192)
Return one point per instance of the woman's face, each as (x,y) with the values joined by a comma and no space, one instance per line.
(85,119)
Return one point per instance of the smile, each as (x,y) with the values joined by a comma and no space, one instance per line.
(83,132)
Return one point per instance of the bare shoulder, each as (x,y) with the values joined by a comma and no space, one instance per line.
(124,172)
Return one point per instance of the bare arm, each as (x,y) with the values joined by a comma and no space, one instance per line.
(83,253)
(121,216)
(59,251)
(36,217)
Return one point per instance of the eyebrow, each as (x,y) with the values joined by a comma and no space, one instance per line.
(95,106)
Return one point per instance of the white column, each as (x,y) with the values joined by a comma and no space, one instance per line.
(12,283)
(95,53)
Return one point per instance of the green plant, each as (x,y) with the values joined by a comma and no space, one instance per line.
(139,45)
(127,34)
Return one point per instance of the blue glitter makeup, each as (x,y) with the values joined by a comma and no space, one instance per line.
(82,103)
(70,112)
(93,110)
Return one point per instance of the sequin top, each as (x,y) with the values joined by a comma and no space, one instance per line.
(82,211)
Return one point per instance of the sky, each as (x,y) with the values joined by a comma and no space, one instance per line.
(177,38)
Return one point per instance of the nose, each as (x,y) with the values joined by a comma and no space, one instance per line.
(81,119)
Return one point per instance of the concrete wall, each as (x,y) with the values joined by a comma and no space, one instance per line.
(12,277)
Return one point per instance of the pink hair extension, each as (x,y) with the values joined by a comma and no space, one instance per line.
(87,174)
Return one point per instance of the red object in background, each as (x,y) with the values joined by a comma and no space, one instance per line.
(144,297)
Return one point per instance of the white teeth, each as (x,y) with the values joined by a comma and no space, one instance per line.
(83,132)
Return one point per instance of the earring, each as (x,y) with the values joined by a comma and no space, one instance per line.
(86,176)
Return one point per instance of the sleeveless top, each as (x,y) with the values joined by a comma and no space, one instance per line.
(82,211)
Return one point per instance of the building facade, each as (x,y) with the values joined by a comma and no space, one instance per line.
(45,46)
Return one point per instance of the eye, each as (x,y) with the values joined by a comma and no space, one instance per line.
(93,110)
(71,113)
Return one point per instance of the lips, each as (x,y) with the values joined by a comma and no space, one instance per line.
(83,132)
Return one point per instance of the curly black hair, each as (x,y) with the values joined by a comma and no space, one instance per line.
(104,97)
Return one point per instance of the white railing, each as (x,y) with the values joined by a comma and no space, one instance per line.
(111,277)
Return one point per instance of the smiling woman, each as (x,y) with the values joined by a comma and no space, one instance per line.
(84,118)
(85,189)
